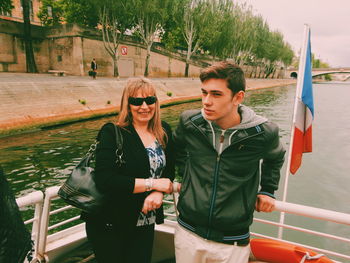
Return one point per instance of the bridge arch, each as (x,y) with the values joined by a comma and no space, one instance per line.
(294,75)
(329,73)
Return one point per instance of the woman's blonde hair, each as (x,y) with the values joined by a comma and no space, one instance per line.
(125,117)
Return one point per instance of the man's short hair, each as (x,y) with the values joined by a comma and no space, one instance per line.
(230,72)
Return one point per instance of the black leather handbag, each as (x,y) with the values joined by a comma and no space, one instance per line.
(80,190)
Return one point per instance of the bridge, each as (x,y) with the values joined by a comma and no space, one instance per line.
(342,74)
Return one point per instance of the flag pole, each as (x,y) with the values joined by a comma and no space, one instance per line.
(298,92)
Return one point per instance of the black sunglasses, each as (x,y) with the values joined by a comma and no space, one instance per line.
(139,101)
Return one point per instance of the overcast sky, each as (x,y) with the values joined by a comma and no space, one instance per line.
(329,22)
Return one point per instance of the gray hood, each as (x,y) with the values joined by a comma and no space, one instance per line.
(248,119)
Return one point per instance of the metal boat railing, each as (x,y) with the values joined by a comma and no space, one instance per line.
(315,213)
(305,211)
(35,198)
(49,246)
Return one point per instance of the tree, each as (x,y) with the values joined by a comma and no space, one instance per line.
(81,12)
(114,20)
(6,6)
(171,35)
(220,28)
(318,63)
(171,40)
(149,16)
(196,18)
(51,12)
(221,22)
(30,61)
(109,28)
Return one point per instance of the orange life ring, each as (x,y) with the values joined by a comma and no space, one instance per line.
(273,251)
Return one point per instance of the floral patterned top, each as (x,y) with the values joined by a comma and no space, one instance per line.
(156,157)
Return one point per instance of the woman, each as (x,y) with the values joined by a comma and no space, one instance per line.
(124,229)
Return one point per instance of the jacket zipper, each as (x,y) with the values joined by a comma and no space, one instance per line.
(216,173)
(213,196)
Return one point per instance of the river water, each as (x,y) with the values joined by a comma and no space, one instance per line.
(35,161)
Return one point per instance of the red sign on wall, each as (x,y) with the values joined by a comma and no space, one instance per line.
(124,50)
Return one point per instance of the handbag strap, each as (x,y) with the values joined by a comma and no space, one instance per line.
(92,149)
(119,142)
(118,138)
(119,151)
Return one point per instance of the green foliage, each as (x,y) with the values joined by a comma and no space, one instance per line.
(328,77)
(52,17)
(318,63)
(81,12)
(6,6)
(118,12)
(172,34)
(169,94)
(223,29)
(83,102)
(148,17)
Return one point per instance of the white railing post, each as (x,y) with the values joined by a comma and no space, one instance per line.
(35,198)
(36,226)
(45,218)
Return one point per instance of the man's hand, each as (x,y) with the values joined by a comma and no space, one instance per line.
(152,202)
(265,203)
(176,187)
(163,185)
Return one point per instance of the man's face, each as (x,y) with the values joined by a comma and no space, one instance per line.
(218,101)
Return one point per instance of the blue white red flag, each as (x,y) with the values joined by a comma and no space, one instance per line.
(304,108)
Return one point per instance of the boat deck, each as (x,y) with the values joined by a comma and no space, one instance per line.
(68,245)
(84,254)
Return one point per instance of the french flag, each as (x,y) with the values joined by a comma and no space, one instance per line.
(304,108)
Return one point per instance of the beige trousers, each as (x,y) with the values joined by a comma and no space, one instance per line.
(191,248)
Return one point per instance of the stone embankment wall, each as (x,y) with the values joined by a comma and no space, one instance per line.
(71,48)
(41,100)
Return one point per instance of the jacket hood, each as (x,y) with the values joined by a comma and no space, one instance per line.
(248,118)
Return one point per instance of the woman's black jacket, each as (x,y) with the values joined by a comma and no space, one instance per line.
(122,206)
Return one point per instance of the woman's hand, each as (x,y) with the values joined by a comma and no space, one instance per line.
(163,185)
(153,201)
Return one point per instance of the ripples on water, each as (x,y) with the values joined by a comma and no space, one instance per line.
(38,160)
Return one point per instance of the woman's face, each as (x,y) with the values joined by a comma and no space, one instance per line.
(144,113)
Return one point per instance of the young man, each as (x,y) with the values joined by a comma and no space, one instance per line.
(220,149)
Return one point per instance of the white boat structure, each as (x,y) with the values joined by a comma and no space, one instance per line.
(53,247)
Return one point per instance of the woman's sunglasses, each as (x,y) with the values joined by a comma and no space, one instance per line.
(139,101)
